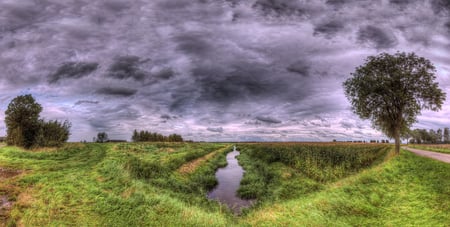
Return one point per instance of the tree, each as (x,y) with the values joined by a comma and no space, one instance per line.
(22,121)
(102,137)
(439,135)
(391,90)
(446,135)
(53,133)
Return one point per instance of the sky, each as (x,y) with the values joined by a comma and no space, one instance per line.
(211,70)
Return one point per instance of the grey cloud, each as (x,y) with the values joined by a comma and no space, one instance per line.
(243,82)
(20,14)
(164,74)
(346,125)
(279,7)
(338,2)
(267,119)
(80,102)
(301,67)
(72,70)
(441,6)
(219,129)
(166,117)
(116,6)
(125,67)
(116,91)
(193,44)
(379,38)
(329,28)
(206,66)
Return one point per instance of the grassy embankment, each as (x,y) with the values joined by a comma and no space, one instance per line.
(442,148)
(166,184)
(406,190)
(109,185)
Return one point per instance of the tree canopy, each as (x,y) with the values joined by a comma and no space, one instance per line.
(25,129)
(391,91)
(102,137)
(22,121)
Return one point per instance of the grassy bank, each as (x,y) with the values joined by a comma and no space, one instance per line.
(408,190)
(143,185)
(442,148)
(95,184)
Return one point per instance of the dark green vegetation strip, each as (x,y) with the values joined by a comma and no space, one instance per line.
(282,171)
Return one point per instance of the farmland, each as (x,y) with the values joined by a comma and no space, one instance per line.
(165,184)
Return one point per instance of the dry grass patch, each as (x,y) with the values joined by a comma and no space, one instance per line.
(191,166)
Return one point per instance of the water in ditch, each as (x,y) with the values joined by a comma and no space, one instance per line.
(229,179)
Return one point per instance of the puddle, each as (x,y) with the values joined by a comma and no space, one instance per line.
(229,179)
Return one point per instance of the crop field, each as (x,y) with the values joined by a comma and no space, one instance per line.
(165,184)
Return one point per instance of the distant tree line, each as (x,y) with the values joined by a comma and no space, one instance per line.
(26,129)
(419,136)
(146,136)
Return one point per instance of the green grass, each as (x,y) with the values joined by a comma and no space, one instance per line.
(140,185)
(278,171)
(406,191)
(92,185)
(442,148)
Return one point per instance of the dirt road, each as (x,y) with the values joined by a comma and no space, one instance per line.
(429,154)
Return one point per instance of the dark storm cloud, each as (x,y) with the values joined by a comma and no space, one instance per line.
(441,6)
(116,6)
(338,2)
(125,67)
(279,7)
(80,102)
(116,91)
(300,67)
(329,28)
(242,82)
(72,70)
(20,15)
(194,44)
(166,117)
(267,119)
(448,26)
(377,37)
(218,130)
(164,74)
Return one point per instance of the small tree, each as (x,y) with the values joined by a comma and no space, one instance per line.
(22,121)
(446,135)
(439,135)
(53,133)
(391,90)
(102,137)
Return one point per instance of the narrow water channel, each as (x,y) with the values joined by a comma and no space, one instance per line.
(229,179)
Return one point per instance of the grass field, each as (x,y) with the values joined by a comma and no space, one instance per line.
(442,148)
(165,184)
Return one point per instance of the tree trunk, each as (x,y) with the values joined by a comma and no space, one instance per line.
(397,143)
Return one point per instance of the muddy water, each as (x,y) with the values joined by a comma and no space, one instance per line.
(229,179)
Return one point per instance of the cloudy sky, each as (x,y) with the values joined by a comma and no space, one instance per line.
(211,69)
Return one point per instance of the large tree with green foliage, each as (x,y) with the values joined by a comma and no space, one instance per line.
(391,90)
(25,129)
(22,121)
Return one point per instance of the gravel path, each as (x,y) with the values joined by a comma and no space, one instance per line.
(429,154)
